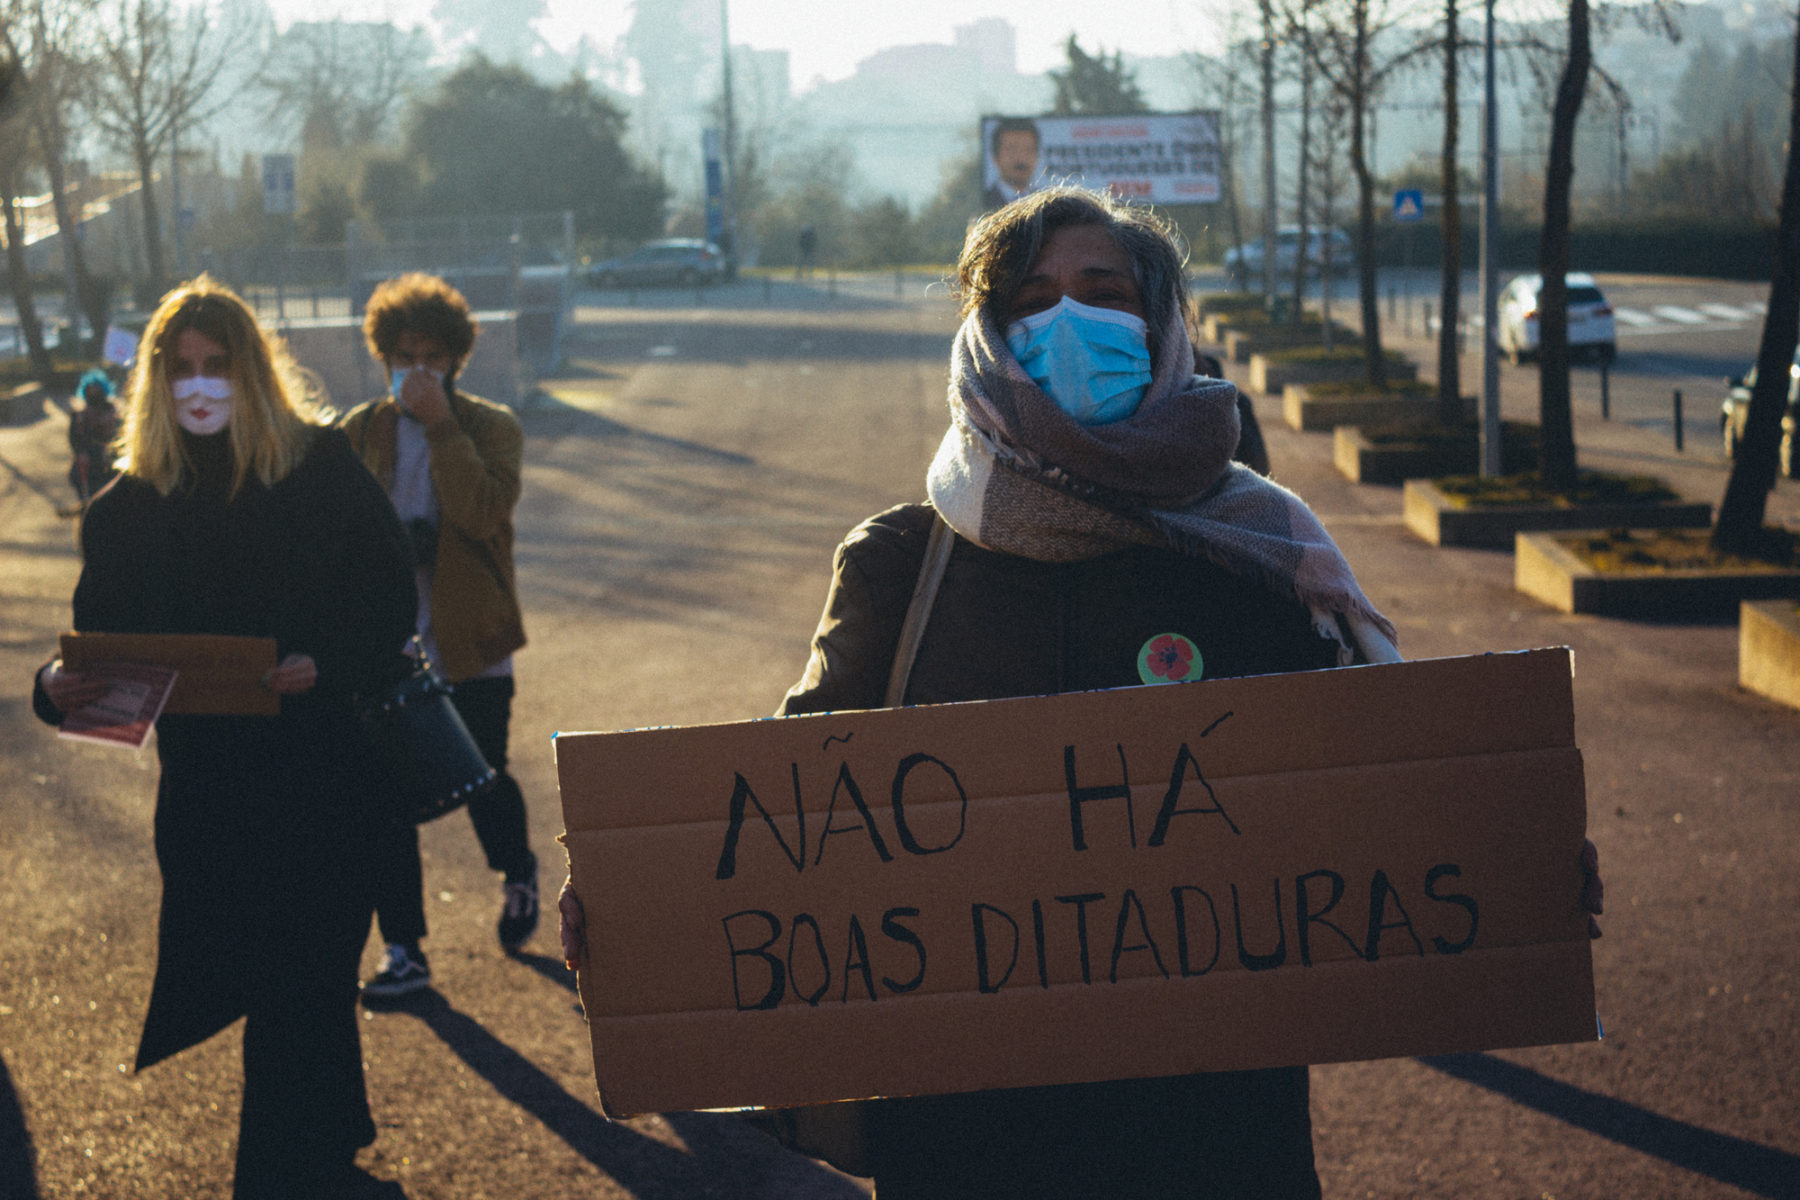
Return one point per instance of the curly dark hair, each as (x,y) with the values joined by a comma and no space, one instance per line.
(1002,245)
(422,304)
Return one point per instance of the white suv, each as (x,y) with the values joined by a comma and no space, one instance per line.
(1590,318)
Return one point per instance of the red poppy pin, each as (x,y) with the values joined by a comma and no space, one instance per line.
(1169,658)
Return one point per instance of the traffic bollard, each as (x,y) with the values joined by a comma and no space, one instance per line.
(1678,430)
(1605,393)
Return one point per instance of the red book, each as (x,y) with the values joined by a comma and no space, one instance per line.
(135,695)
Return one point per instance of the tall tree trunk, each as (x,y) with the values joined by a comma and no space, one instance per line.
(68,225)
(1302,173)
(1268,148)
(1556,423)
(1450,407)
(1374,365)
(20,279)
(1741,512)
(153,247)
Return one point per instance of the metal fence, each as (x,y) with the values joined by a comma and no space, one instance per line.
(518,263)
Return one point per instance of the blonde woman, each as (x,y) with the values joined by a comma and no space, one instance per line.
(238,512)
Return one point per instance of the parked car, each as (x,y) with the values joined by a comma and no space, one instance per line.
(1244,264)
(1591,326)
(1736,410)
(680,262)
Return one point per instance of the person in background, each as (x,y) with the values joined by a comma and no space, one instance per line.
(1100,536)
(451,464)
(239,511)
(1251,450)
(93,424)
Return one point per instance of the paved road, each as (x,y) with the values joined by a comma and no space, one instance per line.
(686,481)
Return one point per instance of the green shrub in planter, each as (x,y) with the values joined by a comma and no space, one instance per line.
(1217,304)
(1591,487)
(1360,387)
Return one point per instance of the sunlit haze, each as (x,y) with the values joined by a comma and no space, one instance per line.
(827,38)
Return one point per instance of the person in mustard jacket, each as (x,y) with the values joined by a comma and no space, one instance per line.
(451,463)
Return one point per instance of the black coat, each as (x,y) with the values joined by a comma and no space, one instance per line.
(259,820)
(1008,626)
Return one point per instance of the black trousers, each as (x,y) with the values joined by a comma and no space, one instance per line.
(485,706)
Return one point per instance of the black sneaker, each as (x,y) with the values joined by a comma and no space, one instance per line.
(519,910)
(405,972)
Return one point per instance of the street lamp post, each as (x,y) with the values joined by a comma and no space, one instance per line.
(1490,236)
(730,138)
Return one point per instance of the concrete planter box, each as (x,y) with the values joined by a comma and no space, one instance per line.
(1243,342)
(1303,410)
(1769,649)
(1547,570)
(1270,375)
(1215,327)
(1362,461)
(1431,516)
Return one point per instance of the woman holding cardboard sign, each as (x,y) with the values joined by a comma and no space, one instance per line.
(239,512)
(1086,529)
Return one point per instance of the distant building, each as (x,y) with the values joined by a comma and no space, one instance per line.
(992,42)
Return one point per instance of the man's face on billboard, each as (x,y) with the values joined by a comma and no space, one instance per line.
(1016,158)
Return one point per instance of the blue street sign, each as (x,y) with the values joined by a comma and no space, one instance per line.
(1409,205)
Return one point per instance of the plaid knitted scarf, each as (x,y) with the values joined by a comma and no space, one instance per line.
(1017,475)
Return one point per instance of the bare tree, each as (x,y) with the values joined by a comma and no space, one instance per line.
(1449,358)
(341,83)
(1221,83)
(159,67)
(1555,420)
(1327,170)
(1739,528)
(1556,423)
(47,37)
(14,136)
(1347,51)
(1302,175)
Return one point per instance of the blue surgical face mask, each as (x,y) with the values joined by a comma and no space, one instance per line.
(1093,362)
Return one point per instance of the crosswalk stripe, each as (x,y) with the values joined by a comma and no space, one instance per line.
(1632,316)
(1758,307)
(1683,316)
(1725,311)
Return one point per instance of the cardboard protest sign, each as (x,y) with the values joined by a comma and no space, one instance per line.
(1268,871)
(216,673)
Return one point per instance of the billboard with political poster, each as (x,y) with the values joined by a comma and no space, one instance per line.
(1151,158)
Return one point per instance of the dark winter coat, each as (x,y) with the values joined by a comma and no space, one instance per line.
(259,820)
(1008,626)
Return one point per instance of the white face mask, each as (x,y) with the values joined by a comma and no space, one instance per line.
(399,375)
(202,403)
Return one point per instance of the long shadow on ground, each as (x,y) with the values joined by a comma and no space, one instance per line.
(714,1163)
(18,1161)
(1757,1169)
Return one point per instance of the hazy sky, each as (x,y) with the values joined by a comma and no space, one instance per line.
(826,38)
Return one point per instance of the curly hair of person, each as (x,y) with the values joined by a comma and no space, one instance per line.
(423,304)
